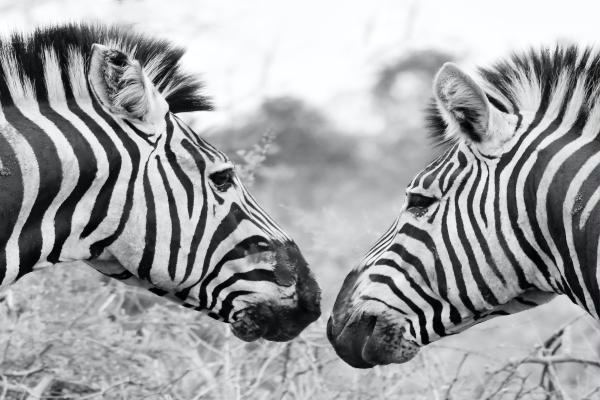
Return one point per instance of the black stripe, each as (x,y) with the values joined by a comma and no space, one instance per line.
(456,265)
(201,225)
(49,165)
(386,280)
(462,163)
(484,193)
(481,239)
(185,181)
(586,239)
(369,298)
(227,304)
(496,103)
(411,259)
(88,168)
(433,174)
(557,190)
(532,181)
(255,275)
(134,154)
(101,204)
(229,224)
(11,198)
(50,170)
(247,247)
(149,232)
(442,285)
(175,223)
(435,304)
(512,207)
(482,285)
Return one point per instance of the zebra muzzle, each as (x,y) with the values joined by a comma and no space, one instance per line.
(363,340)
(250,325)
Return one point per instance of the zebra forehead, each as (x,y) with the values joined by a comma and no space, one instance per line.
(28,59)
(437,168)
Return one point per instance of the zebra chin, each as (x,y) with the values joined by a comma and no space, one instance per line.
(368,333)
(282,319)
(276,324)
(366,340)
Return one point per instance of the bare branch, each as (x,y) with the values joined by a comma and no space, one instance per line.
(456,375)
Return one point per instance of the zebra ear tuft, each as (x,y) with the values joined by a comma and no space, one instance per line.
(122,86)
(462,103)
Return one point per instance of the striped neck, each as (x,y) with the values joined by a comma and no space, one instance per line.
(555,198)
(64,159)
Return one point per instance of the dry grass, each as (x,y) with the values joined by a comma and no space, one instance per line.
(92,339)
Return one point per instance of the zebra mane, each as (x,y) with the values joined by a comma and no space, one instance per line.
(526,81)
(25,58)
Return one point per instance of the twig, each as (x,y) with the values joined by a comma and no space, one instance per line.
(559,360)
(107,389)
(38,391)
(504,381)
(592,392)
(39,355)
(521,387)
(4,387)
(455,379)
(286,359)
(25,373)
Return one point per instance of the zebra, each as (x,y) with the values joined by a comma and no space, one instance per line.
(97,166)
(505,219)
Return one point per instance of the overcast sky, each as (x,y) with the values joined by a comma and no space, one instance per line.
(323,51)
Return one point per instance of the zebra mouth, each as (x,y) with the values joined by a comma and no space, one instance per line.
(364,341)
(248,331)
(250,325)
(277,323)
(260,322)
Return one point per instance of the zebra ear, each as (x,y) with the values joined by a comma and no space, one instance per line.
(462,103)
(122,86)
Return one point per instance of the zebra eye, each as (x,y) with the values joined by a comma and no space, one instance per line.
(222,180)
(418,204)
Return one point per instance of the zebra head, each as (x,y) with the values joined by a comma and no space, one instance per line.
(101,170)
(449,260)
(193,233)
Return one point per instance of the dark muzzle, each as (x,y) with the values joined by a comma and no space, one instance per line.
(283,320)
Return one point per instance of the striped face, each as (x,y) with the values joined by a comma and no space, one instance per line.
(450,260)
(102,171)
(208,244)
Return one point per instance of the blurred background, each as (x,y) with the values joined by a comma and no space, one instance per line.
(320,104)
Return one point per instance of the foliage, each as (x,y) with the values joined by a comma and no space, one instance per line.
(114,342)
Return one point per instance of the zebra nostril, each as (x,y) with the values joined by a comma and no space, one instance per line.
(284,275)
(286,266)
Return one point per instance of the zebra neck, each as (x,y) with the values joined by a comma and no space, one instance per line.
(59,167)
(565,197)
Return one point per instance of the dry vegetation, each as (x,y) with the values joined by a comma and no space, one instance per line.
(117,343)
